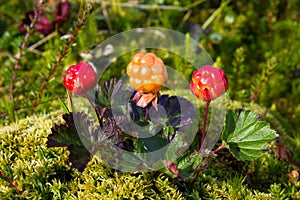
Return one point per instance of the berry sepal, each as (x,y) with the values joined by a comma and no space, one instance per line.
(144,99)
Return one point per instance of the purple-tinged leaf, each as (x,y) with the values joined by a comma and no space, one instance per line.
(66,135)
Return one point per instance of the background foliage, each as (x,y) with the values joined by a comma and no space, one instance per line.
(254,42)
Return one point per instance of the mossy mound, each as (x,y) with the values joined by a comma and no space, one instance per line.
(45,173)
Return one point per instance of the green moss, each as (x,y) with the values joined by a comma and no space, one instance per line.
(45,173)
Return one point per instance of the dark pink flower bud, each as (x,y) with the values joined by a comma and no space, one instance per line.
(62,13)
(42,25)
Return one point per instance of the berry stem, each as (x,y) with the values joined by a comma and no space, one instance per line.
(217,150)
(204,123)
(58,61)
(147,113)
(98,111)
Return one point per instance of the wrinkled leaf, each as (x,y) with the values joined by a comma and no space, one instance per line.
(245,135)
(104,93)
(154,143)
(187,164)
(179,112)
(66,135)
(173,116)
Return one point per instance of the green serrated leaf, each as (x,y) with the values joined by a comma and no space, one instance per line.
(231,118)
(188,163)
(184,162)
(245,135)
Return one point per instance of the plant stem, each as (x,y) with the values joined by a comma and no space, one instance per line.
(218,149)
(150,7)
(58,61)
(99,113)
(204,123)
(198,168)
(214,15)
(270,67)
(197,171)
(147,113)
(11,183)
(24,43)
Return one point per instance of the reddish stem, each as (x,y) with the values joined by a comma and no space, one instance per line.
(17,64)
(53,69)
(218,149)
(264,78)
(11,183)
(146,114)
(204,123)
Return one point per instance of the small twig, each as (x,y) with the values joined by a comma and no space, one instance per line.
(258,87)
(239,57)
(106,17)
(3,114)
(42,41)
(58,61)
(198,168)
(150,7)
(143,6)
(214,15)
(195,176)
(38,52)
(185,18)
(47,101)
(10,57)
(11,183)
(16,67)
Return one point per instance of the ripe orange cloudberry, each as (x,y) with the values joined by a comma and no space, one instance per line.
(147,74)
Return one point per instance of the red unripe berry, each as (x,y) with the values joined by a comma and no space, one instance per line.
(80,78)
(208,83)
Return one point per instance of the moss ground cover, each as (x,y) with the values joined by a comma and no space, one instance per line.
(45,173)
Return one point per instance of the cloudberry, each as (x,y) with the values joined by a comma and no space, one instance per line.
(147,73)
(208,83)
(80,78)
